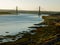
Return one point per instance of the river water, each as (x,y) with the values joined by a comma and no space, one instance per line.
(17,23)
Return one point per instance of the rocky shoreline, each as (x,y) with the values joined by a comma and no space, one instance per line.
(46,33)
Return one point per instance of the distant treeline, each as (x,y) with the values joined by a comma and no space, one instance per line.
(5,13)
(42,12)
(25,11)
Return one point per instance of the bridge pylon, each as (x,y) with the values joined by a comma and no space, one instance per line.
(16,10)
(39,12)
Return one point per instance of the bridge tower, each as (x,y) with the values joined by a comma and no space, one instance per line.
(16,10)
(39,12)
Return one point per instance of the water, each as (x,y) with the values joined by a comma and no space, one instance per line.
(17,23)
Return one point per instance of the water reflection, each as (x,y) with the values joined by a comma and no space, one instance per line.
(14,24)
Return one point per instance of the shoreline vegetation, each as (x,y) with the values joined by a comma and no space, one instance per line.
(27,12)
(42,35)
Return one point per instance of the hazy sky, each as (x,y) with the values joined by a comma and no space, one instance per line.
(51,5)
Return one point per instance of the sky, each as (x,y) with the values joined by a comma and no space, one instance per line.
(46,5)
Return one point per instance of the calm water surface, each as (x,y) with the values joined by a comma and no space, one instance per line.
(17,23)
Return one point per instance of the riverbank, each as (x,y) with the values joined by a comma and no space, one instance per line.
(7,11)
(48,34)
